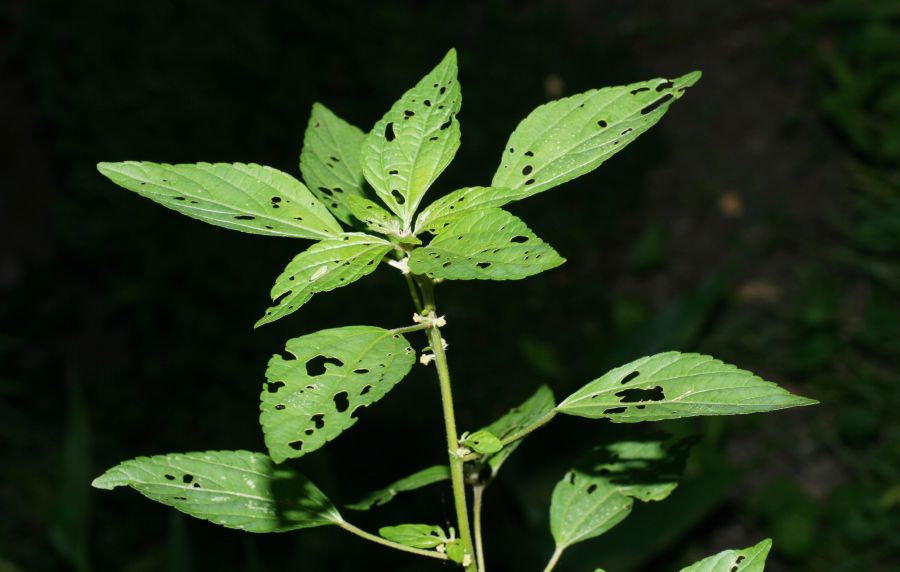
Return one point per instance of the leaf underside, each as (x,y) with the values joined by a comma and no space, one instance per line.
(330,160)
(671,385)
(751,559)
(235,489)
(518,418)
(414,481)
(486,244)
(423,536)
(245,197)
(324,266)
(316,394)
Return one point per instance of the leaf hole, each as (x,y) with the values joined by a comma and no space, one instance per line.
(296,445)
(366,389)
(665,85)
(602,123)
(591,489)
(630,377)
(398,197)
(529,181)
(613,410)
(529,153)
(274,386)
(341,401)
(527,170)
(318,419)
(640,395)
(656,104)
(316,366)
(639,90)
(519,239)
(244,217)
(169,477)
(187,479)
(483,265)
(389,131)
(279,406)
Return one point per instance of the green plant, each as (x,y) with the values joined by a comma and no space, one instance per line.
(314,393)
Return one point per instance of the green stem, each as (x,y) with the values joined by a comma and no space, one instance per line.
(408,329)
(477,499)
(456,463)
(414,292)
(385,542)
(518,434)
(554,559)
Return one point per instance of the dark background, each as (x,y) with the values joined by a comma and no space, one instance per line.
(758,222)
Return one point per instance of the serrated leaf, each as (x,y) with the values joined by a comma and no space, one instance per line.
(236,489)
(454,205)
(330,160)
(245,197)
(486,244)
(317,392)
(415,141)
(751,559)
(671,385)
(324,266)
(424,536)
(518,418)
(599,493)
(569,137)
(414,481)
(373,216)
(483,442)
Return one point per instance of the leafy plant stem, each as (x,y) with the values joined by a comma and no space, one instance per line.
(518,434)
(477,499)
(456,463)
(385,542)
(554,559)
(408,329)
(414,292)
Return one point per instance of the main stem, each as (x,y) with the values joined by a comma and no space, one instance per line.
(456,463)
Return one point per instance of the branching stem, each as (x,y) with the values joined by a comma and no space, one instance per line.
(385,542)
(477,499)
(519,434)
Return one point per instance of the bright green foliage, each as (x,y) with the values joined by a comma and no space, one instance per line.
(415,535)
(235,489)
(672,385)
(534,409)
(450,207)
(324,266)
(317,392)
(751,559)
(483,442)
(373,216)
(249,198)
(415,141)
(600,492)
(569,137)
(415,481)
(486,244)
(330,160)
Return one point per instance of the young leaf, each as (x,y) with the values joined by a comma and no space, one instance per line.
(415,141)
(329,160)
(424,536)
(518,418)
(569,137)
(672,385)
(485,244)
(324,266)
(598,494)
(483,442)
(236,489)
(454,205)
(373,216)
(313,396)
(751,559)
(456,551)
(415,481)
(250,198)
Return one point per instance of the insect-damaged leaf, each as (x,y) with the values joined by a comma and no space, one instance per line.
(518,418)
(672,385)
(318,391)
(486,244)
(569,137)
(751,559)
(414,481)
(330,160)
(324,266)
(424,536)
(483,442)
(250,198)
(599,492)
(236,489)
(373,216)
(415,141)
(452,206)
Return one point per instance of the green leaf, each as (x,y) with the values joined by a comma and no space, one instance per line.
(414,481)
(751,559)
(250,198)
(424,536)
(454,205)
(569,137)
(236,489)
(518,418)
(313,396)
(483,442)
(330,160)
(671,385)
(456,552)
(373,216)
(324,266)
(599,493)
(415,141)
(486,244)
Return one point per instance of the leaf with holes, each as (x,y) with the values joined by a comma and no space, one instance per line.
(414,481)
(569,137)
(415,141)
(483,442)
(671,385)
(250,198)
(751,559)
(452,206)
(317,392)
(329,160)
(324,266)
(534,409)
(599,492)
(373,216)
(486,244)
(424,536)
(236,489)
